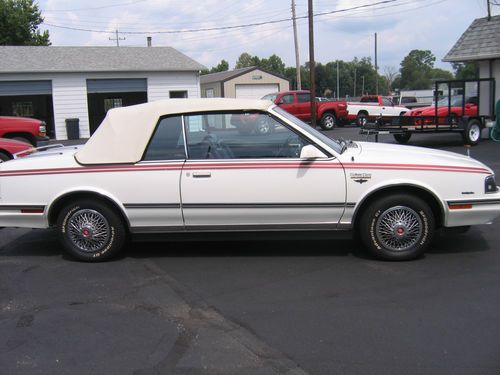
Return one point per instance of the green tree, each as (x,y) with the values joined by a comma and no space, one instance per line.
(416,70)
(273,64)
(221,67)
(246,60)
(468,70)
(440,74)
(19,21)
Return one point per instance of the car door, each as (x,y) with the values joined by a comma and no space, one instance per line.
(304,106)
(248,181)
(289,103)
(157,206)
(387,108)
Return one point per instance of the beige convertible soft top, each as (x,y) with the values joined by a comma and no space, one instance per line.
(125,132)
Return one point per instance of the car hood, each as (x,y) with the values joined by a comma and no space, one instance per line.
(413,157)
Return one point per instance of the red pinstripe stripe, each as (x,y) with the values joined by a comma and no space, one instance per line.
(249,165)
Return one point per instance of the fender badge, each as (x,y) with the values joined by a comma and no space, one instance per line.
(360,178)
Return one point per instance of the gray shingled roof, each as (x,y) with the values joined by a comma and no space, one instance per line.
(16,59)
(481,41)
(224,76)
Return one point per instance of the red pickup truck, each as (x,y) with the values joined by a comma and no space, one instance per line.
(24,129)
(297,102)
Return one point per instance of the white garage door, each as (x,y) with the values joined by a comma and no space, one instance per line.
(255,91)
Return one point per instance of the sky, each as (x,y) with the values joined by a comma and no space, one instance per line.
(211,30)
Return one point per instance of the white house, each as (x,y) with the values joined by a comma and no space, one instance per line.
(58,83)
(481,43)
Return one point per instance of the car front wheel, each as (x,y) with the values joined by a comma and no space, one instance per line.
(328,121)
(362,119)
(91,231)
(397,227)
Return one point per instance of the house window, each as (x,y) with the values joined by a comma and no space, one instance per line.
(112,103)
(178,94)
(209,93)
(22,109)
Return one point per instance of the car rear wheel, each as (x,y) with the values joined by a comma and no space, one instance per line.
(397,227)
(263,126)
(362,119)
(402,138)
(472,133)
(328,121)
(91,231)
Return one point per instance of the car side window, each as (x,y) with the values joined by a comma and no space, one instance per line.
(386,101)
(241,135)
(167,142)
(303,98)
(287,99)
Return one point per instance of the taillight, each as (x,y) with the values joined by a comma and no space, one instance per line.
(42,129)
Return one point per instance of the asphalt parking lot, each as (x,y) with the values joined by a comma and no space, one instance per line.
(255,307)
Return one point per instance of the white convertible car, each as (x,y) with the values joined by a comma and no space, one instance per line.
(181,166)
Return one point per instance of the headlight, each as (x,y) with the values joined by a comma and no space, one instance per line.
(490,186)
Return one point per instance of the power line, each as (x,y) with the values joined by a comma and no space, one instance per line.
(227,27)
(96,8)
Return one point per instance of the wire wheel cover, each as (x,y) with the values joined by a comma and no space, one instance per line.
(88,230)
(398,228)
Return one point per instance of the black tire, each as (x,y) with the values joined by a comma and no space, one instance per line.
(328,121)
(4,157)
(402,138)
(263,126)
(77,223)
(388,236)
(472,133)
(362,119)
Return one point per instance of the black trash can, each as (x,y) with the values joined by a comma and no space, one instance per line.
(73,128)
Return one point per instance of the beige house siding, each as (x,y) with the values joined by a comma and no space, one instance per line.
(255,77)
(215,86)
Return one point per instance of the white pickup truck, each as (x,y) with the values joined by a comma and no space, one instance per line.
(371,107)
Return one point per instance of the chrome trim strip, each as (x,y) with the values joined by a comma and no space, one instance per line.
(263,205)
(241,228)
(20,207)
(151,205)
(475,202)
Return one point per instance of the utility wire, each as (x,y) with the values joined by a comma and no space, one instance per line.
(226,27)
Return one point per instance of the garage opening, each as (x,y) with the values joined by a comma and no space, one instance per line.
(28,99)
(255,91)
(104,94)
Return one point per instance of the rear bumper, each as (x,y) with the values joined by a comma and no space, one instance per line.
(42,141)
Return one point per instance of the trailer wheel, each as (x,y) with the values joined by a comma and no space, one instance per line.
(402,138)
(472,133)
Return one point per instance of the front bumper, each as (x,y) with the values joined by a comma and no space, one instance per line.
(42,141)
(481,211)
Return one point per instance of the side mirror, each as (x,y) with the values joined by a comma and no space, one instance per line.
(310,152)
(280,102)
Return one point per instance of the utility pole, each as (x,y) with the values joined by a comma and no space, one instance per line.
(354,93)
(296,41)
(376,66)
(489,9)
(338,81)
(117,39)
(363,85)
(312,64)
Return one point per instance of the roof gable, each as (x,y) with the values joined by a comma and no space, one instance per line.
(481,41)
(30,59)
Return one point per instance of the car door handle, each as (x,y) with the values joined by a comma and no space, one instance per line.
(202,174)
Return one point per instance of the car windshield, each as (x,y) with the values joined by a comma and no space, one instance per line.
(271,97)
(456,101)
(309,130)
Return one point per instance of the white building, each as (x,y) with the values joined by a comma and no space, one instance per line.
(58,83)
(481,43)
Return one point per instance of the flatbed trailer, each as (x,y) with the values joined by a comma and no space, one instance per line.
(469,127)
